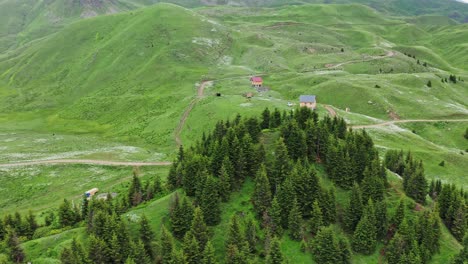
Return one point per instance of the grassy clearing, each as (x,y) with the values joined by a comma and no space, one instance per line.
(39,188)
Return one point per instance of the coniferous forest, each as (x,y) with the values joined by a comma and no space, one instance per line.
(298,165)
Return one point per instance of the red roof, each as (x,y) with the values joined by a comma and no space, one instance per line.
(256,79)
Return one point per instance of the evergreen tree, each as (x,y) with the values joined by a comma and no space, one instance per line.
(381,219)
(295,140)
(364,238)
(209,254)
(66,257)
(417,185)
(265,119)
(115,250)
(317,219)
(181,217)
(66,214)
(137,252)
(130,260)
(210,202)
(324,247)
(98,251)
(286,195)
(30,227)
(234,255)
(462,256)
(344,251)
(306,187)
(354,211)
(372,185)
(167,246)
(295,222)
(147,236)
(399,214)
(199,229)
(157,185)
(262,193)
(460,223)
(235,235)
(281,165)
(275,120)
(135,193)
(251,235)
(274,255)
(84,207)
(14,249)
(191,249)
(224,183)
(275,214)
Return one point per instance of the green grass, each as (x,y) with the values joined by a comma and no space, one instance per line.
(39,188)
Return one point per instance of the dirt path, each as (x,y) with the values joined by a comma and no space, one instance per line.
(330,110)
(407,121)
(183,119)
(387,55)
(85,161)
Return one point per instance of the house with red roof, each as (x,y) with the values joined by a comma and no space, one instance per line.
(256,81)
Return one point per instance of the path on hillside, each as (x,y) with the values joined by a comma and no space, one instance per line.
(183,119)
(407,121)
(371,58)
(330,110)
(85,161)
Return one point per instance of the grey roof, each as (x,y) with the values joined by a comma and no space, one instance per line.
(307,98)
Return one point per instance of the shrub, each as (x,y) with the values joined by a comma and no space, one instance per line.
(442,163)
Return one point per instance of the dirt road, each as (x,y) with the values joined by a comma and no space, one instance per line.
(387,55)
(183,119)
(85,161)
(407,121)
(330,110)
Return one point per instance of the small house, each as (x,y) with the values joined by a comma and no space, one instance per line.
(91,192)
(256,81)
(308,101)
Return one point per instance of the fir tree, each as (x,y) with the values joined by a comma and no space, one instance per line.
(381,219)
(399,214)
(265,119)
(147,236)
(262,193)
(372,185)
(306,187)
(462,256)
(209,254)
(251,235)
(234,255)
(275,120)
(364,238)
(167,246)
(66,257)
(281,165)
(199,229)
(210,202)
(235,235)
(274,255)
(354,211)
(97,250)
(135,193)
(14,249)
(295,222)
(66,214)
(191,249)
(137,252)
(224,183)
(181,217)
(417,185)
(275,214)
(324,247)
(286,195)
(317,219)
(344,251)
(31,225)
(459,225)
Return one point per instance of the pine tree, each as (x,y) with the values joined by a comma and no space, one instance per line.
(381,219)
(147,236)
(399,214)
(31,225)
(462,256)
(344,251)
(66,257)
(275,120)
(281,165)
(97,250)
(286,195)
(251,235)
(135,192)
(265,119)
(224,183)
(317,219)
(157,185)
(209,254)
(199,229)
(354,211)
(459,225)
(167,246)
(235,235)
(66,214)
(324,247)
(295,222)
(210,202)
(137,252)
(234,255)
(372,185)
(181,217)
(191,249)
(115,250)
(262,193)
(306,187)
(417,185)
(275,213)
(13,246)
(274,255)
(364,238)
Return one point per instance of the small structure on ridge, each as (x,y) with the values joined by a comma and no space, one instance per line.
(308,101)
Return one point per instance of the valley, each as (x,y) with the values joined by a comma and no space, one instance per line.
(93,92)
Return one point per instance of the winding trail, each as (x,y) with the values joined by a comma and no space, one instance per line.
(407,121)
(183,119)
(330,110)
(85,161)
